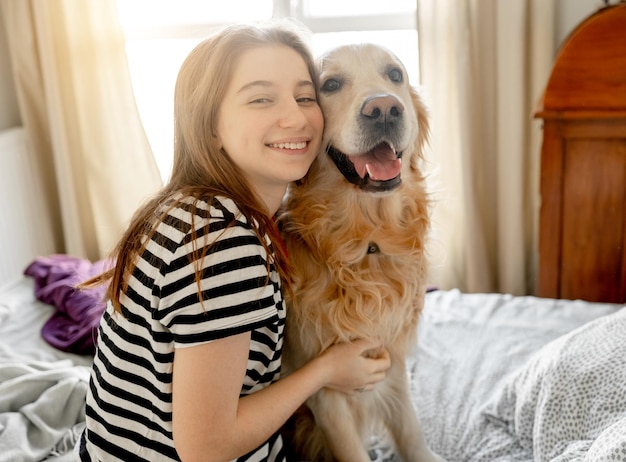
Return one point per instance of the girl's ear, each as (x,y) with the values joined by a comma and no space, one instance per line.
(216,140)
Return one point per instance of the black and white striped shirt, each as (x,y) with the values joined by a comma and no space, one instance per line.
(129,404)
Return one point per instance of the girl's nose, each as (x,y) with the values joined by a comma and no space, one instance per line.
(292,115)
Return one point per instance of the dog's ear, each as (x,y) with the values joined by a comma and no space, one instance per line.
(423,127)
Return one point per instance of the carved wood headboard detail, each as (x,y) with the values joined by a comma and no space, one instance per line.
(582,236)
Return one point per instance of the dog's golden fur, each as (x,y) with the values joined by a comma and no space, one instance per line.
(359,258)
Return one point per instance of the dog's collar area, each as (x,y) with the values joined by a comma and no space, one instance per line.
(346,167)
(372,247)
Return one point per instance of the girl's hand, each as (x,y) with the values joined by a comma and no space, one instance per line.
(351,367)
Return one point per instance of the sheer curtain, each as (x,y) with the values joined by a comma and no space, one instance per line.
(77,107)
(484,64)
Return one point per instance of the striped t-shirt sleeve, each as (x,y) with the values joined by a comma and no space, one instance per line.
(236,291)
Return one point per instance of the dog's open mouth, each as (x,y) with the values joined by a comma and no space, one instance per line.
(376,170)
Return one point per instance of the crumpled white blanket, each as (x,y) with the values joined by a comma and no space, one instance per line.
(42,409)
(567,404)
(470,347)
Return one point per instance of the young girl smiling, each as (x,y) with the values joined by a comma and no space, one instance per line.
(189,349)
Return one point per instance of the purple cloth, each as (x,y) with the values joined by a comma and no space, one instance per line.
(73,326)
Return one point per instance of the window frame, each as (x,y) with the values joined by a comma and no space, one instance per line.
(281,8)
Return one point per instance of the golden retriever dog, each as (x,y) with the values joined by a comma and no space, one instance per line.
(355,229)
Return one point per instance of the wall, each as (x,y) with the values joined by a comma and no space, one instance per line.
(9,112)
(571,12)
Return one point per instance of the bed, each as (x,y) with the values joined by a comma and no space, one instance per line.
(486,375)
(494,377)
(478,379)
(487,368)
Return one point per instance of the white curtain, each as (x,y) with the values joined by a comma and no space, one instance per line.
(484,64)
(77,106)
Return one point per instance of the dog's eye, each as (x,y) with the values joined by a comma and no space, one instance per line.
(395,74)
(331,85)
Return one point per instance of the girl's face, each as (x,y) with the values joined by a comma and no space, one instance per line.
(269,121)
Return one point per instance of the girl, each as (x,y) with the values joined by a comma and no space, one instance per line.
(189,350)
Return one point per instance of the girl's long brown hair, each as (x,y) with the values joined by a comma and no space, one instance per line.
(201,169)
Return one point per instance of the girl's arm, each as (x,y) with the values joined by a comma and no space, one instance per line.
(212,423)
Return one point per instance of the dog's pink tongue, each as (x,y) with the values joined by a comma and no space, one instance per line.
(381,163)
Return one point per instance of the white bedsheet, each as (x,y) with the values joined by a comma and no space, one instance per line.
(42,389)
(21,320)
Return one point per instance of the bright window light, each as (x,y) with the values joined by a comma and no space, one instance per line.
(143,13)
(160,34)
(328,8)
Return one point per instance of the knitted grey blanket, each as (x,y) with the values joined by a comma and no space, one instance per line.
(502,378)
(568,403)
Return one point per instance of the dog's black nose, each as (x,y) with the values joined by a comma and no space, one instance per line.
(382,108)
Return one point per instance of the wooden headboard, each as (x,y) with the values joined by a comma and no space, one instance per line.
(25,226)
(582,236)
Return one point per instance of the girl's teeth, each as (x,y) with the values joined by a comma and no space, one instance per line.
(300,145)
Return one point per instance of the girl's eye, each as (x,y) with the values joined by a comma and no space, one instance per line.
(260,101)
(306,99)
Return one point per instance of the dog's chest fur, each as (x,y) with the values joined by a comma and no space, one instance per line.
(358,258)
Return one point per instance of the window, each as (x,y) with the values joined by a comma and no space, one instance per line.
(160,34)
